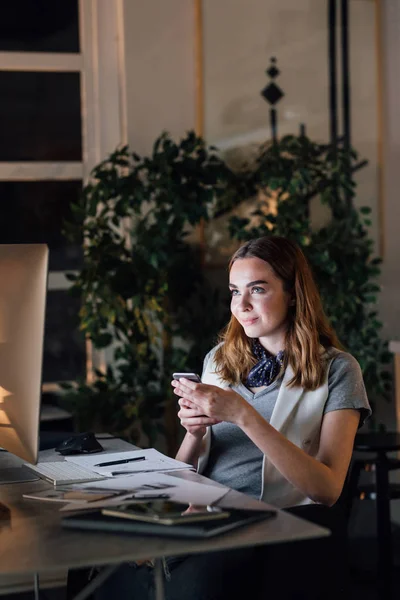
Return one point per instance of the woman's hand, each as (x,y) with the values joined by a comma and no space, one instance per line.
(193,420)
(209,404)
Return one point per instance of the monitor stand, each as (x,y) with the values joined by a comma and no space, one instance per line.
(13,475)
(12,469)
(16,475)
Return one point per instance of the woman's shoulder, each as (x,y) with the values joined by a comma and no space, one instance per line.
(210,372)
(211,354)
(346,385)
(345,376)
(341,361)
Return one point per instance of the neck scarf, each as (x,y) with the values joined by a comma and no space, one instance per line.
(267,368)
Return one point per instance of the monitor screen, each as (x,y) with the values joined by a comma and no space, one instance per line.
(23,285)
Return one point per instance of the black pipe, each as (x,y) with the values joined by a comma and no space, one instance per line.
(346,74)
(274,125)
(346,78)
(326,147)
(332,71)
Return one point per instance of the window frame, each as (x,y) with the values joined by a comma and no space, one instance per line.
(101,67)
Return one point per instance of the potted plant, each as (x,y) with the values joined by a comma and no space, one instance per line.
(139,279)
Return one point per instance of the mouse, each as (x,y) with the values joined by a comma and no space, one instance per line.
(83,443)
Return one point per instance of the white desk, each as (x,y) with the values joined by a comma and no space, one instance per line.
(33,541)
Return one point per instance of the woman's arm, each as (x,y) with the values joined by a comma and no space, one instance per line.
(190,450)
(320,478)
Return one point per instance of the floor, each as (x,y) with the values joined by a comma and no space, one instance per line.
(362,570)
(363,553)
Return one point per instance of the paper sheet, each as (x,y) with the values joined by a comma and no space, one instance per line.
(145,484)
(153,461)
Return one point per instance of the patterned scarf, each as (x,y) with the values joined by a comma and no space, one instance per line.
(267,368)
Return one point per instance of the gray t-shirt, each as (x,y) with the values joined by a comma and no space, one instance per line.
(236,461)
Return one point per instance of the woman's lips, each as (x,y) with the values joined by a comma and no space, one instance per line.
(248,322)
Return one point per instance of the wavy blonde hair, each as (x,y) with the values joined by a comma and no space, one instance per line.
(308,327)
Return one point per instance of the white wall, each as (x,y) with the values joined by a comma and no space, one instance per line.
(160,74)
(238,44)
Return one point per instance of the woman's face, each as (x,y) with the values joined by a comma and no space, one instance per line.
(259,302)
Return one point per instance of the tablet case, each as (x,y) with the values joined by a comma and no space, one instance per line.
(95,520)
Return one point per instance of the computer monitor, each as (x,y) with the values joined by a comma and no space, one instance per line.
(23,285)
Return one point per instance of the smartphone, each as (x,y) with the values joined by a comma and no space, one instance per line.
(191,376)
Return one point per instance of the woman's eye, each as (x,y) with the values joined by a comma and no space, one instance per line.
(234,292)
(257,290)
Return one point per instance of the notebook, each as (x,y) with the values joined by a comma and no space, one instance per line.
(123,521)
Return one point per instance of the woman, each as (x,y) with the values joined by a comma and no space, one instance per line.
(275,417)
(279,404)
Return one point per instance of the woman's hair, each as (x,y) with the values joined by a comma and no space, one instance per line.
(308,327)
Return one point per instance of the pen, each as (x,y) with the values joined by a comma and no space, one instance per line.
(120,462)
(149,497)
(114,473)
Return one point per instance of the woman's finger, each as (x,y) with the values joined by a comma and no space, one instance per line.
(197,421)
(180,390)
(189,413)
(187,403)
(188,400)
(180,387)
(188,383)
(186,387)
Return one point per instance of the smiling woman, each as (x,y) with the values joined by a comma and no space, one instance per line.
(279,404)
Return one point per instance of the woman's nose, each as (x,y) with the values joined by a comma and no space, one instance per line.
(244,302)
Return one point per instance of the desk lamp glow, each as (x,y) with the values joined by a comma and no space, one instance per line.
(23,285)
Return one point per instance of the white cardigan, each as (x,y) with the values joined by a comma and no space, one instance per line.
(297,415)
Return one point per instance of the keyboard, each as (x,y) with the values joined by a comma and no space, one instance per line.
(63,472)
